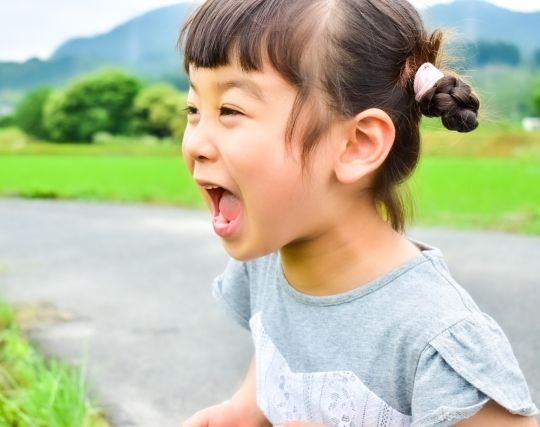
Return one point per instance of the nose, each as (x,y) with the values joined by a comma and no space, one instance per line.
(198,144)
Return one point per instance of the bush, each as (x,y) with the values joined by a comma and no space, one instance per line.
(98,102)
(7,121)
(29,112)
(158,110)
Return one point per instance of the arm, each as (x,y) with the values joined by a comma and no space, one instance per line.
(494,415)
(245,397)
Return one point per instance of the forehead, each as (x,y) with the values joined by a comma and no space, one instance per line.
(260,85)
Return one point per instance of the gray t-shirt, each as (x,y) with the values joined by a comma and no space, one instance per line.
(410,348)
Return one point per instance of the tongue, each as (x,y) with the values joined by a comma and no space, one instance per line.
(229,206)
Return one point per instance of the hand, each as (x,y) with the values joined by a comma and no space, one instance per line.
(226,414)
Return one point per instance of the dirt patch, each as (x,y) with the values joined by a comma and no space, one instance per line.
(36,314)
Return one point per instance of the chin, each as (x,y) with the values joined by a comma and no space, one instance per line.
(244,252)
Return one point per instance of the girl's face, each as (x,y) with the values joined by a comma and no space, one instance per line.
(235,139)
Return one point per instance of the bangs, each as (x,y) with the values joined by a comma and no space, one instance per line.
(218,27)
(244,31)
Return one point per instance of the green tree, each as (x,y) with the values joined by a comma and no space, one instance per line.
(496,53)
(100,101)
(536,101)
(158,110)
(29,112)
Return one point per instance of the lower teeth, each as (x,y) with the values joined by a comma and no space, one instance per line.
(221,219)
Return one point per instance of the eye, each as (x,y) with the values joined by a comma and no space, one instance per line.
(229,112)
(190,110)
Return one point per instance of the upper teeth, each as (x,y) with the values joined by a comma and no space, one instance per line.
(211,187)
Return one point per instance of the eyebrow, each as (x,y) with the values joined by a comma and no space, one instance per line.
(247,86)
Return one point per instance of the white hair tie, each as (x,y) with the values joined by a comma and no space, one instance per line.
(426,77)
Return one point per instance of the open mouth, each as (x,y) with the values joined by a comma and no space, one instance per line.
(227,211)
(226,206)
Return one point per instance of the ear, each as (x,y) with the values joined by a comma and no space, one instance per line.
(368,138)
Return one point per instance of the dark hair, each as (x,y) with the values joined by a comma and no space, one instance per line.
(343,56)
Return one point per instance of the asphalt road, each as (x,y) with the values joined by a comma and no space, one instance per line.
(125,290)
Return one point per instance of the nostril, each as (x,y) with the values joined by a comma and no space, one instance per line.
(199,145)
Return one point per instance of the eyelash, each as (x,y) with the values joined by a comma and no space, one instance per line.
(224,110)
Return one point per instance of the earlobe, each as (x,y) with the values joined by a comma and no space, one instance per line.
(369,138)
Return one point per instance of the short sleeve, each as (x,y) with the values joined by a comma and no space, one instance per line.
(232,290)
(463,368)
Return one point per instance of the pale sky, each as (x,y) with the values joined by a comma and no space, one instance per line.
(37,27)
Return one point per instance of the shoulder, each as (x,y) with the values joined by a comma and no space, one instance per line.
(426,299)
(236,288)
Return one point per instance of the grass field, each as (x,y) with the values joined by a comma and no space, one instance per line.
(148,179)
(487,179)
(482,193)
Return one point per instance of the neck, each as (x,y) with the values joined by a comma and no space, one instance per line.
(346,254)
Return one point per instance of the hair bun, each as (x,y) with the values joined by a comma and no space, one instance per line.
(453,100)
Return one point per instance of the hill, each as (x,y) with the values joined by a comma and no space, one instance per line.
(146,43)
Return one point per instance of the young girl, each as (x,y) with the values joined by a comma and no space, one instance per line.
(303,119)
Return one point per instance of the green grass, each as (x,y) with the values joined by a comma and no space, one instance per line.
(486,179)
(120,178)
(35,392)
(114,169)
(482,193)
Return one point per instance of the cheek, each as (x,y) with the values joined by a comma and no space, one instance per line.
(254,152)
(274,190)
(268,177)
(185,156)
(189,164)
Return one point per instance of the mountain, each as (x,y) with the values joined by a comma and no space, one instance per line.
(147,42)
(475,20)
(145,45)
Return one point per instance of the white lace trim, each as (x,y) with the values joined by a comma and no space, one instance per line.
(335,399)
